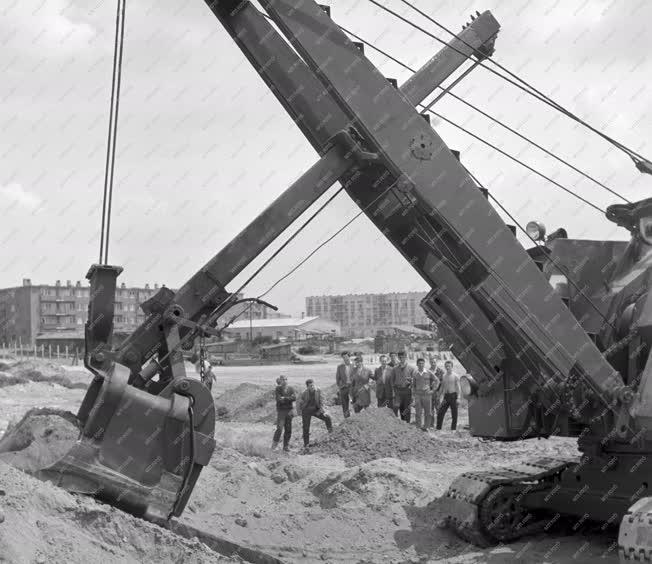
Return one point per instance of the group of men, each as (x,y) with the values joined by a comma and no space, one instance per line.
(309,404)
(400,386)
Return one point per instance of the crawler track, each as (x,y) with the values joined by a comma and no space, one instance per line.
(483,507)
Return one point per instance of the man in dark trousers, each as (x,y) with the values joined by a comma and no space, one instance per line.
(436,394)
(450,386)
(285,398)
(343,379)
(311,405)
(401,380)
(360,389)
(383,387)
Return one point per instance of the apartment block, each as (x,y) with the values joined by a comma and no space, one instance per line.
(363,315)
(30,310)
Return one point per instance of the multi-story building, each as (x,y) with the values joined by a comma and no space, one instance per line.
(363,315)
(30,310)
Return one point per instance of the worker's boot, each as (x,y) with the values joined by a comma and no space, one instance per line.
(274,445)
(286,447)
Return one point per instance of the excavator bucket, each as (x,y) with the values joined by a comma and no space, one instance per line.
(139,451)
(135,449)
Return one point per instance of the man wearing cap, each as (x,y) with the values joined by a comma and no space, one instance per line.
(343,380)
(360,389)
(401,380)
(311,405)
(285,398)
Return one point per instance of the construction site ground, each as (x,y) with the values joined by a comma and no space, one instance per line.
(367,493)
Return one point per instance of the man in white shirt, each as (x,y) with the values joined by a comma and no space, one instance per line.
(451,392)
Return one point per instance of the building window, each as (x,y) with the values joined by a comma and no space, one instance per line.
(79,321)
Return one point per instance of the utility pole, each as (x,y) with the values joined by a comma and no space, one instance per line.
(251,325)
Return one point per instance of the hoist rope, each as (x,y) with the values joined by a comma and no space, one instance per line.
(488,116)
(113,131)
(524,86)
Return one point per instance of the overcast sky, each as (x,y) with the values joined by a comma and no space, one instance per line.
(203,146)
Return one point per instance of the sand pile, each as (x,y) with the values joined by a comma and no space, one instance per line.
(39,439)
(246,402)
(374,485)
(41,523)
(378,433)
(24,371)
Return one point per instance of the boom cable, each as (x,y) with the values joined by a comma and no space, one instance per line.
(524,85)
(109,167)
(552,261)
(487,115)
(496,120)
(211,319)
(515,159)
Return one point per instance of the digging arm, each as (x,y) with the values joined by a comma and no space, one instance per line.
(496,300)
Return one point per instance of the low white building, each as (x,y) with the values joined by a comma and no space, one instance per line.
(289,328)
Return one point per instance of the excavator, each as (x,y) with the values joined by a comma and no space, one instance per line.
(556,337)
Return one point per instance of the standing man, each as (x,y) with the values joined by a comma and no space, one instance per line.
(311,405)
(423,386)
(383,387)
(343,381)
(360,389)
(451,392)
(285,397)
(393,361)
(436,394)
(401,380)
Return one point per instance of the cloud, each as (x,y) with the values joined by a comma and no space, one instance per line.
(36,26)
(18,196)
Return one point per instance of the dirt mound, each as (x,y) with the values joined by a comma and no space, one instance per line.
(24,371)
(378,433)
(246,402)
(42,523)
(374,485)
(39,439)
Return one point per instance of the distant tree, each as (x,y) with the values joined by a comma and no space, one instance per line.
(266,340)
